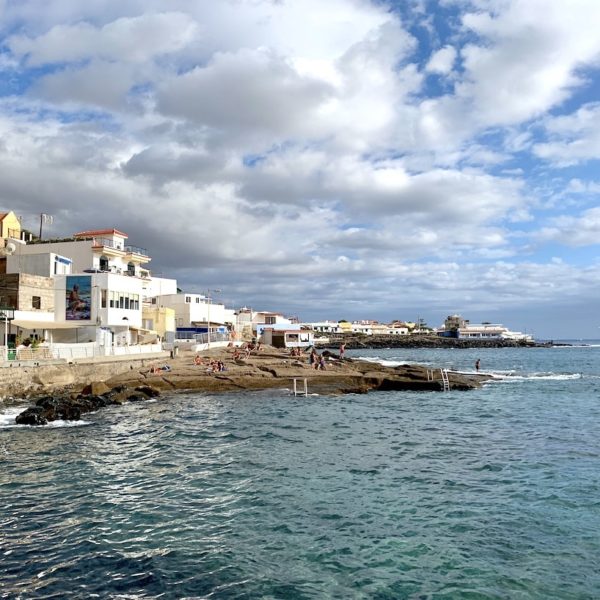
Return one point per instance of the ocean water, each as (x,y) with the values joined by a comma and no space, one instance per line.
(493,493)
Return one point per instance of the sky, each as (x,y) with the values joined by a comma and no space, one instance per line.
(348,159)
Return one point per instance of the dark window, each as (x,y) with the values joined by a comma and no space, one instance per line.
(36,302)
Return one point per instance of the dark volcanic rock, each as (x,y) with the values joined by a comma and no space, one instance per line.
(69,408)
(31,416)
(428,341)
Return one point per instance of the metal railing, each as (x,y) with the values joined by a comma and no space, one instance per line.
(202,338)
(74,351)
(136,250)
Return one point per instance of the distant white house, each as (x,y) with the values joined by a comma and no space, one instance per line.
(288,338)
(456,326)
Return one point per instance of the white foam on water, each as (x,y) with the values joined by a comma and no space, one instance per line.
(59,423)
(389,363)
(537,376)
(8,415)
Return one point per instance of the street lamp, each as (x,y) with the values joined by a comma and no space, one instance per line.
(208,315)
(126,319)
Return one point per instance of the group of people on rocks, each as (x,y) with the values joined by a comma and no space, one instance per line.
(213,365)
(316,360)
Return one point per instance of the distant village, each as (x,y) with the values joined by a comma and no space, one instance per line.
(93,295)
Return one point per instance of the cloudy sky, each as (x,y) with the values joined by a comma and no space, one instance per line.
(342,159)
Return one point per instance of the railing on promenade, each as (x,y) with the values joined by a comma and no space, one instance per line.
(202,338)
(73,351)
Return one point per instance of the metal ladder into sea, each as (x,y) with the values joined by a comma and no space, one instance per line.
(298,392)
(445,380)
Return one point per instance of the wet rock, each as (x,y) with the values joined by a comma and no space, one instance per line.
(148,390)
(31,416)
(70,407)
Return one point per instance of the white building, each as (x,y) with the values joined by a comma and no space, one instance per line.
(93,285)
(324,326)
(456,326)
(195,312)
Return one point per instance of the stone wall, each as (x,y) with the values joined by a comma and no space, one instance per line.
(24,381)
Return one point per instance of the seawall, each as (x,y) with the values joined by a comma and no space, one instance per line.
(22,380)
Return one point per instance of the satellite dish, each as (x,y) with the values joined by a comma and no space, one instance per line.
(10,248)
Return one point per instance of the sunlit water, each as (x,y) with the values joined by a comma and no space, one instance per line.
(492,493)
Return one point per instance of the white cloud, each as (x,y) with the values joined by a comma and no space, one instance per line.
(442,61)
(583,230)
(529,57)
(136,39)
(574,138)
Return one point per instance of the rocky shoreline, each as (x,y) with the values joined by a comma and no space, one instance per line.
(267,368)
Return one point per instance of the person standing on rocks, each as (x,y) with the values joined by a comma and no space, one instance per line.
(477,364)
(342,351)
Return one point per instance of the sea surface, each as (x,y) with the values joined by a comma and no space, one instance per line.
(492,493)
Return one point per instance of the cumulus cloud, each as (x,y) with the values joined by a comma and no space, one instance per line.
(136,39)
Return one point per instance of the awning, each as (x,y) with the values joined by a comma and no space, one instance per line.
(23,324)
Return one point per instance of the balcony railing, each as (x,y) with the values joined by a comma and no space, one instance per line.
(108,243)
(136,250)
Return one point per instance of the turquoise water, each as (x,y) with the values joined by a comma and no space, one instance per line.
(493,493)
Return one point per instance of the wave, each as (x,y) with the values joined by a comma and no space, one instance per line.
(503,376)
(7,416)
(390,363)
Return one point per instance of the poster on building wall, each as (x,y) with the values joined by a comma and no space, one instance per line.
(79,298)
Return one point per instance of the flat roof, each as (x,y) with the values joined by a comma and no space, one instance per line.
(94,232)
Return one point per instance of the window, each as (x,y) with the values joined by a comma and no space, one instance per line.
(188,299)
(270,320)
(103,263)
(36,302)
(197,300)
(103,298)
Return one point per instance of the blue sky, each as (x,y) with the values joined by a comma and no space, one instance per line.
(348,159)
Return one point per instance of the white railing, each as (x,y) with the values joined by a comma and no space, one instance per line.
(77,351)
(202,338)
(74,351)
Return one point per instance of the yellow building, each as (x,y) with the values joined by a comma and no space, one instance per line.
(345,327)
(159,319)
(10,226)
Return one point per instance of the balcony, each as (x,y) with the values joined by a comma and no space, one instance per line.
(106,243)
(136,250)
